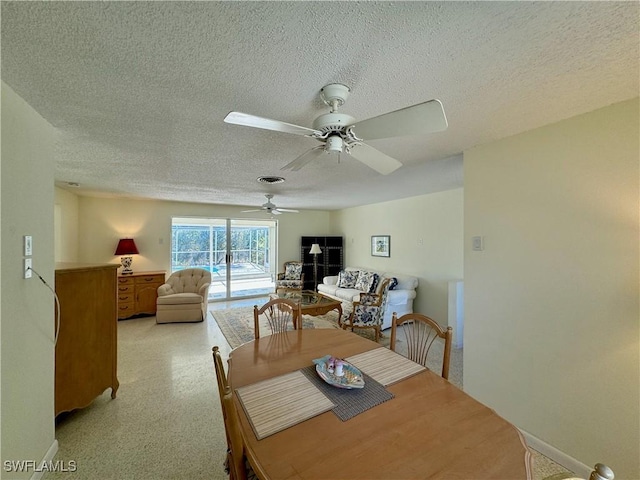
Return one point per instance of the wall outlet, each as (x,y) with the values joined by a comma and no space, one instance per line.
(27,267)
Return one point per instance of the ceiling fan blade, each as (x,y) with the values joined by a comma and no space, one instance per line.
(375,159)
(427,117)
(244,119)
(249,211)
(287,210)
(275,211)
(305,158)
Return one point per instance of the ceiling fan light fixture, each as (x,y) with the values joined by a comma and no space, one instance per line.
(334,144)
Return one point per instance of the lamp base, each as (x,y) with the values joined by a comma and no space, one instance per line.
(126,265)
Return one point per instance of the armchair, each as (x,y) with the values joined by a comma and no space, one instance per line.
(369,311)
(184,296)
(292,278)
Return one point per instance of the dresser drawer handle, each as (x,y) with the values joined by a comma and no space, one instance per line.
(124,307)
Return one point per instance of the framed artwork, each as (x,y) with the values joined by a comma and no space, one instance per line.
(381,245)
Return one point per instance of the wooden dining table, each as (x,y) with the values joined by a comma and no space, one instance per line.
(429,429)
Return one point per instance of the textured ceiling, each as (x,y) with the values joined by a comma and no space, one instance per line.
(138,90)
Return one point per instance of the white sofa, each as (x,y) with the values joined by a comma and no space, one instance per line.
(400,297)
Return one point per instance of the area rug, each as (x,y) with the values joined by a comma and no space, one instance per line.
(236,325)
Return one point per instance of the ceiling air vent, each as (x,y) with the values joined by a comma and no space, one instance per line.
(270,180)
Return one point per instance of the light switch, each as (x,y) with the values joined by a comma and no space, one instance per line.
(477,243)
(28,246)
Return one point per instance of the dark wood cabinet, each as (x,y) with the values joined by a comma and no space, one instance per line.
(86,350)
(330,261)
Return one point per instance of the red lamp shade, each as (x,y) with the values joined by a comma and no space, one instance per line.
(126,246)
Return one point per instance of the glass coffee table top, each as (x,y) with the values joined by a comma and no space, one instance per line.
(305,297)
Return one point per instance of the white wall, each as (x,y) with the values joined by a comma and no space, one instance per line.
(551,305)
(27,312)
(102,221)
(66,226)
(426,241)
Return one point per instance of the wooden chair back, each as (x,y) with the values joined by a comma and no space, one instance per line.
(279,312)
(420,333)
(235,461)
(235,456)
(221,376)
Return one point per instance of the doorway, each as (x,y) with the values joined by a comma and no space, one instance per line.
(239,253)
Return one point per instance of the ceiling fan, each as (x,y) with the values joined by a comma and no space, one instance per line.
(340,133)
(271,208)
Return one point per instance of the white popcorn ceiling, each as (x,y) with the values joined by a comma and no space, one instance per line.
(138,90)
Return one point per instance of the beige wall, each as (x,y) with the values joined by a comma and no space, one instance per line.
(66,226)
(27,318)
(102,221)
(551,304)
(426,241)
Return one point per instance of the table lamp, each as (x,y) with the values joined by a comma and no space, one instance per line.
(315,250)
(126,247)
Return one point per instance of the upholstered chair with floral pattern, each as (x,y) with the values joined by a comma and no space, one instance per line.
(369,311)
(292,278)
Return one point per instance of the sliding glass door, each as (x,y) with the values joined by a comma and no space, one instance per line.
(240,254)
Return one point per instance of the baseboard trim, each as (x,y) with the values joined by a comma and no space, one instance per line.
(48,457)
(570,463)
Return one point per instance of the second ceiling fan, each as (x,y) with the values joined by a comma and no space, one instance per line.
(340,133)
(270,207)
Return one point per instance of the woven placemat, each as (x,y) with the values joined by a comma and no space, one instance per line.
(277,403)
(386,366)
(349,403)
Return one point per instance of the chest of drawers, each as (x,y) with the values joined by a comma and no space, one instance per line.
(137,293)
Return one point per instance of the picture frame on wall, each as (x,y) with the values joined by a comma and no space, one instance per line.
(381,245)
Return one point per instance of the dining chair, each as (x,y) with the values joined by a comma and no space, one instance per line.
(368,312)
(420,334)
(236,464)
(279,312)
(239,467)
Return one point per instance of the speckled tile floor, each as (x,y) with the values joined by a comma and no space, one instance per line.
(166,421)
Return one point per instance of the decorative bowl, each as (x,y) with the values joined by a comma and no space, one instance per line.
(327,368)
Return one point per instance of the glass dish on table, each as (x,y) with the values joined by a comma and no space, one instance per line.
(338,372)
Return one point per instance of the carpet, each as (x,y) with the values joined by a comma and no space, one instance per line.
(236,325)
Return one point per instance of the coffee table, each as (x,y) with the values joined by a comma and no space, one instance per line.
(312,303)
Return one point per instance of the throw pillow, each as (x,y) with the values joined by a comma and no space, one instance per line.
(293,271)
(374,284)
(365,281)
(348,278)
(393,283)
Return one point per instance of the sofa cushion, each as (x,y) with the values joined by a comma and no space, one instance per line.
(366,281)
(180,299)
(348,278)
(347,294)
(393,283)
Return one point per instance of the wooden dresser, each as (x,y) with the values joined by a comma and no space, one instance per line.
(86,351)
(137,293)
